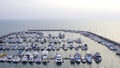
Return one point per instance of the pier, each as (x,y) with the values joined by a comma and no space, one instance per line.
(106,39)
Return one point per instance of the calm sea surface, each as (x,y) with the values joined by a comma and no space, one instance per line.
(109,29)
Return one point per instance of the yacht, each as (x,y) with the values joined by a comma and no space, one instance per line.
(71,46)
(45,56)
(84,47)
(58,59)
(77,48)
(77,57)
(16,59)
(65,47)
(24,59)
(31,59)
(83,60)
(42,47)
(38,59)
(88,57)
(57,48)
(72,59)
(9,58)
(53,47)
(35,54)
(3,59)
(97,57)
(49,47)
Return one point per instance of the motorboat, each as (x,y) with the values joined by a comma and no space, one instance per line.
(77,57)
(65,47)
(57,48)
(9,58)
(53,47)
(45,56)
(72,59)
(24,59)
(97,57)
(35,54)
(83,60)
(31,59)
(49,47)
(84,47)
(42,47)
(88,57)
(16,59)
(3,59)
(58,59)
(77,48)
(38,59)
(71,46)
(69,41)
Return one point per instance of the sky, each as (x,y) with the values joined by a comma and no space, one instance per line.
(60,9)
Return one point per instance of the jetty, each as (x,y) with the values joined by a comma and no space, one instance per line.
(102,38)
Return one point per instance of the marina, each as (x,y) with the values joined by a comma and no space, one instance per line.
(59,34)
(62,48)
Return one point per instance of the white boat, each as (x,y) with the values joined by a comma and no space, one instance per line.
(58,59)
(31,59)
(71,45)
(9,58)
(72,59)
(53,47)
(16,59)
(38,59)
(83,60)
(57,48)
(84,47)
(3,59)
(26,48)
(69,41)
(76,48)
(35,54)
(49,47)
(42,47)
(24,59)
(65,47)
(88,57)
(45,56)
(77,57)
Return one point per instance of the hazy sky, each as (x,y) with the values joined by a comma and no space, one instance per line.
(60,9)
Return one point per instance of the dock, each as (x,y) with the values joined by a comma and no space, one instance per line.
(108,40)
